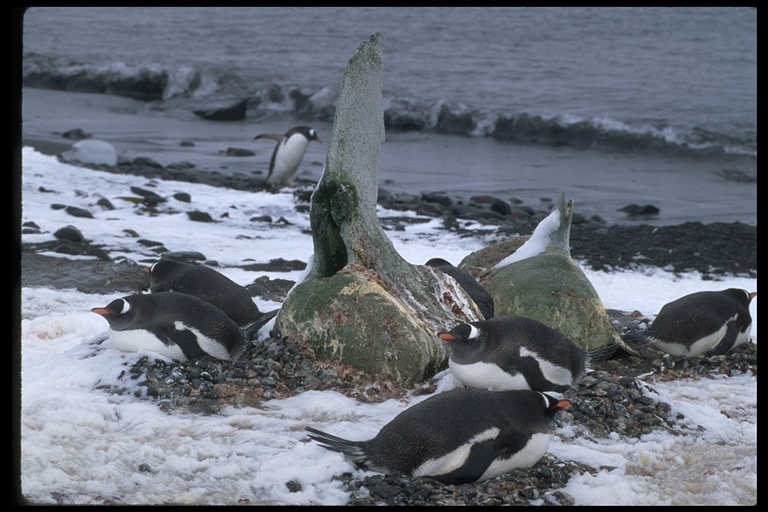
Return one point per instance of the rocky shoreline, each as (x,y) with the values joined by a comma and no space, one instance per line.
(611,398)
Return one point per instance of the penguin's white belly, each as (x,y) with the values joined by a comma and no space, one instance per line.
(139,340)
(487,376)
(288,158)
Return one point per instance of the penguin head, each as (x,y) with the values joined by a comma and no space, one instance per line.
(467,340)
(157,267)
(164,268)
(119,313)
(552,405)
(464,332)
(438,262)
(741,296)
(309,133)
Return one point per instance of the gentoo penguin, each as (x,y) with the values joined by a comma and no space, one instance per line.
(206,283)
(513,352)
(709,323)
(470,285)
(172,324)
(288,153)
(456,437)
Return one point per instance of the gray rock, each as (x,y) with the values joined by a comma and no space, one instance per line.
(224,110)
(69,233)
(78,212)
(91,151)
(544,283)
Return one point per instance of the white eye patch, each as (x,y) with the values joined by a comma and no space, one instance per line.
(473,332)
(126,307)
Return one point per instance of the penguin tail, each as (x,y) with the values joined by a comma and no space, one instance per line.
(598,355)
(638,338)
(252,330)
(351,449)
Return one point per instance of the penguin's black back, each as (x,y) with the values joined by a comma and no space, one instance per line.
(207,284)
(448,420)
(698,314)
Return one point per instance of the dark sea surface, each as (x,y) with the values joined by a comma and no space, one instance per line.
(611,105)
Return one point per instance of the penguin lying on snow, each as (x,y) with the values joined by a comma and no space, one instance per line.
(470,285)
(456,437)
(211,286)
(288,153)
(514,352)
(172,324)
(708,323)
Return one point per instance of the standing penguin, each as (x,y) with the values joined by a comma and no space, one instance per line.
(468,283)
(708,323)
(460,436)
(206,283)
(288,153)
(514,352)
(172,324)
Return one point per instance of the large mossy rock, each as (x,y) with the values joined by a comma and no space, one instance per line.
(360,302)
(540,280)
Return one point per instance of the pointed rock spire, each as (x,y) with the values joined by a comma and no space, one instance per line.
(360,302)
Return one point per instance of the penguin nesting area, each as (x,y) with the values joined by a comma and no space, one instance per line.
(613,399)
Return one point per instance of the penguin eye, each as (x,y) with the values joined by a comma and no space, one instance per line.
(126,307)
(473,332)
(312,132)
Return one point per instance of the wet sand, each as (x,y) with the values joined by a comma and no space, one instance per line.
(600,183)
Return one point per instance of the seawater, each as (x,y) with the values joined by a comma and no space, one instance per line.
(686,74)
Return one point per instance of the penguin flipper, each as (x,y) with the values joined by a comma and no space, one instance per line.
(187,342)
(271,136)
(533,374)
(480,457)
(725,344)
(252,330)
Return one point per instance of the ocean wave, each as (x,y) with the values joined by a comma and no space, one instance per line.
(192,86)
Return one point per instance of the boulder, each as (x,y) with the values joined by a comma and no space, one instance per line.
(91,151)
(540,280)
(233,109)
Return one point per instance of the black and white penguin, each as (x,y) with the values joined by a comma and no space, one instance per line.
(514,352)
(708,323)
(288,153)
(168,275)
(468,283)
(172,324)
(456,437)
